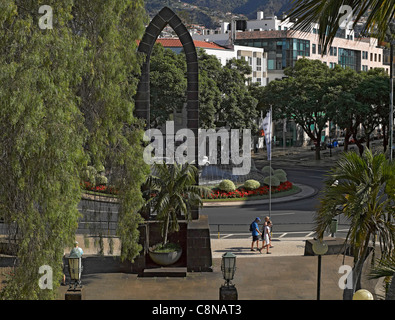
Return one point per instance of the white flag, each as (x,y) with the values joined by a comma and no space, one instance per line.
(266,125)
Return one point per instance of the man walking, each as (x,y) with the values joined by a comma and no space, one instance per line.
(255,233)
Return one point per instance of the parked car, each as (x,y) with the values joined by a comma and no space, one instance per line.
(341,141)
(322,146)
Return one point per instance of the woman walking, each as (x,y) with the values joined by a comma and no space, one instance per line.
(266,238)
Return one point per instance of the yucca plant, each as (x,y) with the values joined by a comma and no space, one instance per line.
(364,189)
(173,191)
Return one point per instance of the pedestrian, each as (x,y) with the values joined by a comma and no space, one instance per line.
(266,238)
(76,252)
(263,231)
(255,233)
(63,283)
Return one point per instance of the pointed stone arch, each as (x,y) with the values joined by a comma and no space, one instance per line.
(142,101)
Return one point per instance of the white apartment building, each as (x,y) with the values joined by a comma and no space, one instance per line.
(255,57)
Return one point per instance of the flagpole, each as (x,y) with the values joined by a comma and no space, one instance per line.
(270,165)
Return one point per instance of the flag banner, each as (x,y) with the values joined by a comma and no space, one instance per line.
(266,125)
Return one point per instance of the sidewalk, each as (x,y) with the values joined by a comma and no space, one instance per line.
(286,274)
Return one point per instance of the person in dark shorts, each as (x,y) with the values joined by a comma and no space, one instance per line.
(255,233)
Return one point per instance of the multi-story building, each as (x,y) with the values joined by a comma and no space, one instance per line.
(284,46)
(255,57)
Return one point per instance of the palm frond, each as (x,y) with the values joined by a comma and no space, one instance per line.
(328,14)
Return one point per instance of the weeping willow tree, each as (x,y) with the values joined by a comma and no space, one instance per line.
(66,101)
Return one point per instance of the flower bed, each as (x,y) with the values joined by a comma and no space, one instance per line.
(241,192)
(99,188)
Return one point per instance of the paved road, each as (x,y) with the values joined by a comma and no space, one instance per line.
(290,219)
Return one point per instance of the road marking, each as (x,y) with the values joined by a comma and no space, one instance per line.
(227,236)
(283,235)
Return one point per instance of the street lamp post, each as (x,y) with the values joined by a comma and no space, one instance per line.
(75,270)
(74,291)
(228,291)
(319,248)
(391,129)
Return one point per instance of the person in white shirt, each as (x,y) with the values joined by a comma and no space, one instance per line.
(266,237)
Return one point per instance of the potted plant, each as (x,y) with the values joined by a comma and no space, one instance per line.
(171,191)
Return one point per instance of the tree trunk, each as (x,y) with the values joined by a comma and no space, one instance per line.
(385,137)
(357,271)
(346,140)
(391,290)
(166,229)
(318,150)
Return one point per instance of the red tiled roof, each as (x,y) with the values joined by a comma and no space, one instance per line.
(175,42)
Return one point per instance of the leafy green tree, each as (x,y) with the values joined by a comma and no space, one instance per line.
(66,102)
(41,141)
(209,93)
(341,98)
(238,106)
(372,94)
(364,190)
(301,97)
(168,84)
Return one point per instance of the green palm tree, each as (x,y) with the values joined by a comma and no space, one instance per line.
(363,186)
(172,191)
(385,268)
(328,15)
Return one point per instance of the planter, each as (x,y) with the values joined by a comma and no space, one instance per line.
(165,258)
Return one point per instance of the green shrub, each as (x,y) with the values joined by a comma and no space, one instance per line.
(227,185)
(101,180)
(251,184)
(275,181)
(281,171)
(100,168)
(281,177)
(89,175)
(267,170)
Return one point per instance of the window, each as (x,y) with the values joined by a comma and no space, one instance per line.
(365,55)
(348,58)
(258,64)
(319,49)
(313,49)
(333,51)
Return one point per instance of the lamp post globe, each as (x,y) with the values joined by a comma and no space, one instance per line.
(320,247)
(362,294)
